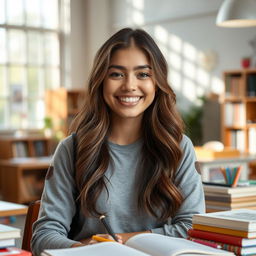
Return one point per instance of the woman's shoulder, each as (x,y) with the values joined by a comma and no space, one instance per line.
(186,142)
(66,143)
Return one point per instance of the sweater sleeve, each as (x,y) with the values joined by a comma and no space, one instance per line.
(58,206)
(189,182)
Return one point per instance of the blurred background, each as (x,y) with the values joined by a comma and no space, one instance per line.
(48,44)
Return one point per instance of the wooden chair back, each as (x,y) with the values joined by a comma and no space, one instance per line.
(31,217)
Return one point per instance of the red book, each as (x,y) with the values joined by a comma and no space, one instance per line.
(13,251)
(238,250)
(222,238)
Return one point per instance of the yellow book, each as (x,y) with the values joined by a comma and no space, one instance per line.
(226,231)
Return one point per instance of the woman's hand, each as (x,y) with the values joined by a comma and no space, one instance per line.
(89,240)
(106,236)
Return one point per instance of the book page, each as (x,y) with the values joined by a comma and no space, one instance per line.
(160,245)
(100,249)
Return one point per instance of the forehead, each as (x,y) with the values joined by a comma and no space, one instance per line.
(131,56)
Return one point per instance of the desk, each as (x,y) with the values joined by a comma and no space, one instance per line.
(20,178)
(242,160)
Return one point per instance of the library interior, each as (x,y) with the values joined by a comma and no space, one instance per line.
(47,49)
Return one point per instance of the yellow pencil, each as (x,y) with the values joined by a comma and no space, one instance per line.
(101,239)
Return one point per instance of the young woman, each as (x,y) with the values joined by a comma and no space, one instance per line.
(131,161)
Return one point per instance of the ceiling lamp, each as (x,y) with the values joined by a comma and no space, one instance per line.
(237,13)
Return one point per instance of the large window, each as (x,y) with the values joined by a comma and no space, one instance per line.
(29,60)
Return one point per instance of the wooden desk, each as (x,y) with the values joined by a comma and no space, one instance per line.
(242,160)
(19,177)
(11,209)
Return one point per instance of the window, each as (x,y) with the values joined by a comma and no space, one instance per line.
(29,60)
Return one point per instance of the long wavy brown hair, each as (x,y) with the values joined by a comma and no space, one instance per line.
(162,134)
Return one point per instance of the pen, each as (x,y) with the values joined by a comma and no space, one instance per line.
(101,239)
(211,244)
(108,228)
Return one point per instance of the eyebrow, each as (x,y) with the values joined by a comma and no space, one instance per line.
(135,68)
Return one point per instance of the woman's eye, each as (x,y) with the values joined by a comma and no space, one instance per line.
(116,75)
(143,75)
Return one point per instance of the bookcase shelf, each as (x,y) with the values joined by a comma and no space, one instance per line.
(23,165)
(25,146)
(239,110)
(22,179)
(62,105)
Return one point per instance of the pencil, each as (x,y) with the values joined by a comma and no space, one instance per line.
(237,176)
(101,239)
(108,228)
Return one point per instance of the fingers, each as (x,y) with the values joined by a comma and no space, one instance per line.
(104,238)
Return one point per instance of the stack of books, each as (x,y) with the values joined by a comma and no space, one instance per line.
(222,198)
(234,231)
(7,241)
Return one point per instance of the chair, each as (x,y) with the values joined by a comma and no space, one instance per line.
(32,215)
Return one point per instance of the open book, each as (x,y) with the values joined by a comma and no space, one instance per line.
(141,245)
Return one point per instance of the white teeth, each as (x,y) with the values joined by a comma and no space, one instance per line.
(129,99)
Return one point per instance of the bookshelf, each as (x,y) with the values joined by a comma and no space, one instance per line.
(22,179)
(24,162)
(239,110)
(25,146)
(62,105)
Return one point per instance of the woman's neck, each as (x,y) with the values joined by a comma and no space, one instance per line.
(125,131)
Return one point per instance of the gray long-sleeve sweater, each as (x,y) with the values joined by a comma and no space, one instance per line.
(61,223)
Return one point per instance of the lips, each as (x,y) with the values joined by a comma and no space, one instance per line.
(128,100)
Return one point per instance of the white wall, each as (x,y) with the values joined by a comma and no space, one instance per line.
(90,27)
(184,29)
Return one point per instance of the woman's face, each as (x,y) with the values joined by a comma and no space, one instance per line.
(129,87)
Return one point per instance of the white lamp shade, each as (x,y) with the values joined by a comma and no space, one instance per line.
(237,13)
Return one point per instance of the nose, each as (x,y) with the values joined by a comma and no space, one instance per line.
(129,83)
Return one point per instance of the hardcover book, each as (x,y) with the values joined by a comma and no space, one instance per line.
(7,232)
(141,245)
(217,237)
(240,219)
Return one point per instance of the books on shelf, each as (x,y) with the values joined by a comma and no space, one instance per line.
(39,146)
(141,245)
(20,149)
(7,232)
(252,140)
(251,85)
(234,114)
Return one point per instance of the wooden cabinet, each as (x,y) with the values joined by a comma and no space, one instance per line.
(22,179)
(62,105)
(23,166)
(25,146)
(239,110)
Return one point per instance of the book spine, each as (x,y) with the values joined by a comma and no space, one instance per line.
(215,237)
(224,246)
(222,230)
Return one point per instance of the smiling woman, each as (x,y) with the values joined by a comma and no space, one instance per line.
(132,161)
(128,88)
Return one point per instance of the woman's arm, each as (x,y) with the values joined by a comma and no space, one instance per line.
(57,203)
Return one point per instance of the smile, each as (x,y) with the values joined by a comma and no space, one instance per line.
(129,99)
